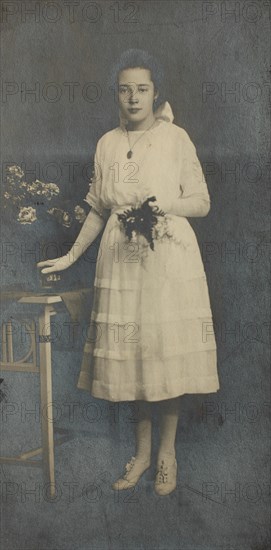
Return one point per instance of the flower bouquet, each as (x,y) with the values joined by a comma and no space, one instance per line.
(146,223)
(141,221)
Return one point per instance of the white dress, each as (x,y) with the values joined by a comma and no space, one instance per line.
(150,312)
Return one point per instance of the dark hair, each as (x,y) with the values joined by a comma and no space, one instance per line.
(134,58)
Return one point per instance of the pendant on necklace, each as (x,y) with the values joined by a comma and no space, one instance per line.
(129,154)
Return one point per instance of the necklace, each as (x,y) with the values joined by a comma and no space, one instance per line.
(130,152)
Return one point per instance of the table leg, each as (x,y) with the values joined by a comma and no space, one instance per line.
(47,426)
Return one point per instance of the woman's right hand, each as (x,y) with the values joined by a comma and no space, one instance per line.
(56,264)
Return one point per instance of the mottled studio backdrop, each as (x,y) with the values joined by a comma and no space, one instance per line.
(56,103)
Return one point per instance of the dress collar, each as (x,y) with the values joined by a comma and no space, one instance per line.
(163,113)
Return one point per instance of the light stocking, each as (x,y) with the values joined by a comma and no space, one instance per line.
(169,415)
(141,461)
(143,431)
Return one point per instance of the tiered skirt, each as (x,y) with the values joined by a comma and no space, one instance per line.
(150,334)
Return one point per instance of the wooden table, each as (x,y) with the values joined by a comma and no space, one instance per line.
(40,352)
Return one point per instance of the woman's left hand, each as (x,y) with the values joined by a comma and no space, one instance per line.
(165,204)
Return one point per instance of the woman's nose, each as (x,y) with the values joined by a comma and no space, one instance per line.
(133,98)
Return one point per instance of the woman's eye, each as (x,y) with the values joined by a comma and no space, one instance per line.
(123,91)
(143,90)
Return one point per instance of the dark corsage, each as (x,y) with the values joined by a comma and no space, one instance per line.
(141,221)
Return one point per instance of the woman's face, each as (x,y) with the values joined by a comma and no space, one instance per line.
(136,95)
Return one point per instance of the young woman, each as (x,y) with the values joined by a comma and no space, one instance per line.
(149,312)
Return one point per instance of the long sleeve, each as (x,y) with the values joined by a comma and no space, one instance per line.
(191,207)
(194,200)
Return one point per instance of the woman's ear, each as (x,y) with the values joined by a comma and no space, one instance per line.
(156,95)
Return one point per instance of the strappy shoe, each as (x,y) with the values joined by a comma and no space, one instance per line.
(165,479)
(132,474)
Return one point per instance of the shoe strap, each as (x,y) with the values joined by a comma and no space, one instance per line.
(128,467)
(162,471)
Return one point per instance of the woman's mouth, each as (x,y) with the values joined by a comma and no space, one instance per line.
(134,110)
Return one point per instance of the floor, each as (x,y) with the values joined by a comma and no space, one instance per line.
(222,498)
